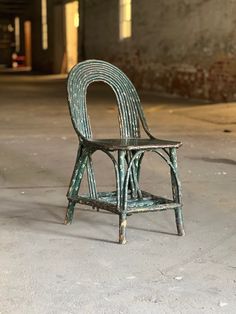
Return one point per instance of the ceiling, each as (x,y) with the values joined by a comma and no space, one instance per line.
(13,7)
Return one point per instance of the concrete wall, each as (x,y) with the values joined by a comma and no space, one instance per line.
(59,39)
(185,47)
(42,60)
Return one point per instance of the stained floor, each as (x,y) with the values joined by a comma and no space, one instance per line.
(47,267)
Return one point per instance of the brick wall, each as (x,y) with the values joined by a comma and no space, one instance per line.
(185,47)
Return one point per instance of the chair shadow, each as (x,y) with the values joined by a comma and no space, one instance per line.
(152,231)
(103,212)
(57,218)
(84,237)
(225,161)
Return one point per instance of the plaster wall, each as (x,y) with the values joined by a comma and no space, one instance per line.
(183,47)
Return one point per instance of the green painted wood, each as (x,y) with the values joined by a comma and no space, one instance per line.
(131,143)
(126,153)
(105,199)
(177,195)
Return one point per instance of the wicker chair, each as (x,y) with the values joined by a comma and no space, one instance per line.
(126,153)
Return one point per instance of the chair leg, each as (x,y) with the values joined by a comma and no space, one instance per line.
(91,181)
(75,184)
(134,175)
(179,221)
(176,191)
(69,213)
(122,229)
(122,215)
(138,163)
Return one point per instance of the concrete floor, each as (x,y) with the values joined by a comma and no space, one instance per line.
(47,267)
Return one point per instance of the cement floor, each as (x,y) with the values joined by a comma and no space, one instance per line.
(47,267)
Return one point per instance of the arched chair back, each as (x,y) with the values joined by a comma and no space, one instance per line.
(129,107)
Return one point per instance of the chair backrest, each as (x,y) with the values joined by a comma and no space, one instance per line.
(129,107)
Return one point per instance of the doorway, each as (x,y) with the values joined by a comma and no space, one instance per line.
(6,40)
(28,50)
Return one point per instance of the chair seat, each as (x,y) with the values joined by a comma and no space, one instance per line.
(131,144)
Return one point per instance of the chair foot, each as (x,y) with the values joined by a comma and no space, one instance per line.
(69,213)
(94,207)
(122,229)
(179,221)
(181,231)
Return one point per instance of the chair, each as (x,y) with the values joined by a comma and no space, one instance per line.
(126,153)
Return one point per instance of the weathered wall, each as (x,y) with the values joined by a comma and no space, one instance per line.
(185,47)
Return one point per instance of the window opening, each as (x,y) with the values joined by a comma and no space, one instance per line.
(44,24)
(125,19)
